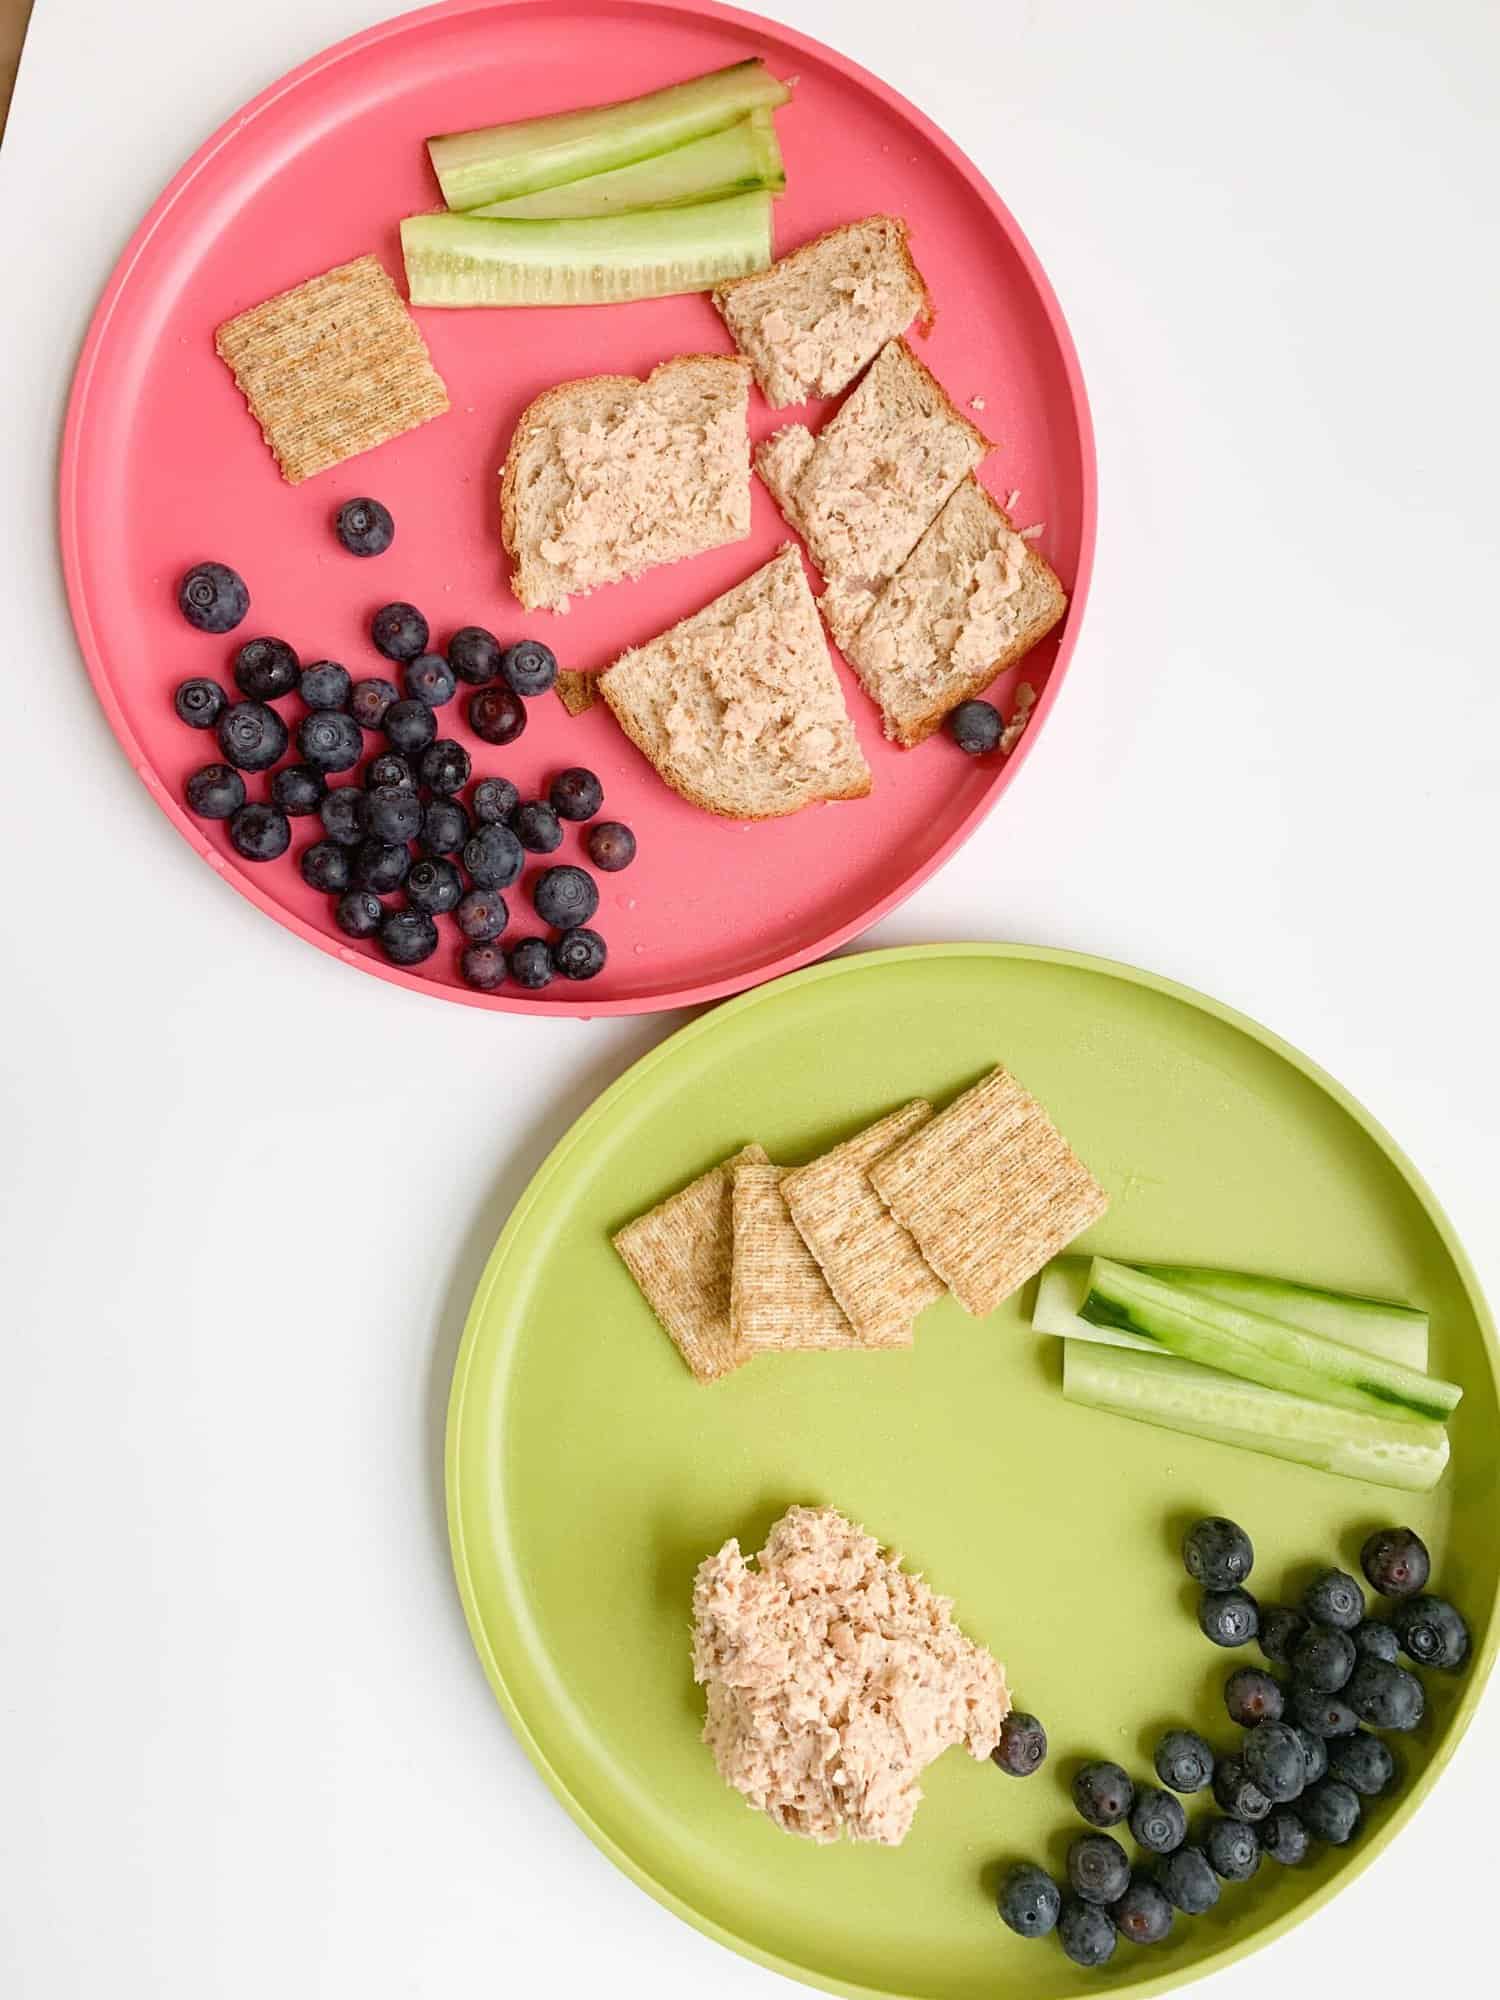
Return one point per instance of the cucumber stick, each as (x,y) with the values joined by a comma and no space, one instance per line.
(500,161)
(461,260)
(1180,1396)
(737,160)
(1375,1326)
(1257,1348)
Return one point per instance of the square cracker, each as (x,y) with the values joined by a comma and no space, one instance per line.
(991,1191)
(576,692)
(873,1267)
(332,367)
(679,1253)
(778,1297)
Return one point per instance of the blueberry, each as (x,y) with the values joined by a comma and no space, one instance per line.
(611,846)
(1284,1838)
(1395,1562)
(1431,1632)
(1237,1792)
(1103,1794)
(409,726)
(1233,1849)
(1030,1901)
(493,857)
(1085,1933)
(330,741)
(1386,1697)
(1184,1761)
(1314,1755)
(390,768)
(434,886)
(1363,1763)
(215,792)
(482,915)
(975,727)
(408,936)
(364,527)
(483,965)
(1097,1868)
(325,866)
(359,913)
(563,897)
(537,827)
(325,684)
(429,678)
(445,827)
(1274,1761)
(298,789)
(260,833)
(528,667)
(530,963)
(1375,1640)
(371,700)
(1228,1617)
(399,631)
(1218,1553)
(212,597)
(1188,1881)
(1322,1714)
(1330,1811)
(1022,1748)
(496,715)
(444,767)
(1158,1821)
(1324,1659)
(380,865)
(575,793)
(495,799)
(1252,1695)
(392,813)
(251,736)
(199,703)
(1280,1629)
(345,815)
(266,669)
(1334,1598)
(474,655)
(1143,1914)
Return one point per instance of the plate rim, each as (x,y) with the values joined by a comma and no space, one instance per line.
(577,1136)
(72,535)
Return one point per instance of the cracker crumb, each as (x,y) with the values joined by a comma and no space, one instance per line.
(976,402)
(1013,500)
(1030,534)
(1020,715)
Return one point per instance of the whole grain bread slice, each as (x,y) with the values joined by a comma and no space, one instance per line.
(739,706)
(969,600)
(813,320)
(863,491)
(610,476)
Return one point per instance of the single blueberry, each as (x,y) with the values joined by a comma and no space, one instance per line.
(359,912)
(1228,1617)
(212,597)
(1184,1761)
(1086,1933)
(1431,1632)
(251,736)
(380,865)
(345,815)
(1375,1640)
(1022,1748)
(1331,1812)
(1395,1562)
(496,715)
(1284,1838)
(1386,1697)
(371,700)
(1218,1553)
(1281,1628)
(329,740)
(1324,1658)
(1143,1914)
(1334,1598)
(483,966)
(1363,1763)
(1322,1714)
(528,667)
(325,866)
(408,936)
(1233,1849)
(1030,1901)
(392,813)
(266,669)
(260,833)
(429,678)
(537,827)
(399,631)
(298,789)
(392,769)
(199,703)
(410,726)
(325,684)
(364,527)
(434,886)
(1188,1881)
(1252,1695)
(494,800)
(474,655)
(493,857)
(1274,1761)
(445,827)
(610,845)
(1237,1792)
(530,963)
(215,792)
(975,727)
(563,897)
(575,793)
(444,767)
(1103,1794)
(1158,1821)
(1097,1868)
(482,915)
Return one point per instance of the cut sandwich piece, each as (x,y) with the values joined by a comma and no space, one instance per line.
(822,312)
(864,491)
(742,157)
(969,600)
(610,476)
(779,1300)
(739,706)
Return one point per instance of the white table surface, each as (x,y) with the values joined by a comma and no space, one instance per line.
(245,1747)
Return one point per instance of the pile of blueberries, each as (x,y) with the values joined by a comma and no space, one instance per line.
(1303,1766)
(401,825)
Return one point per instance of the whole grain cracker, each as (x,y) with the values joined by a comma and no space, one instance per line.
(680,1255)
(576,692)
(778,1297)
(332,367)
(873,1267)
(991,1191)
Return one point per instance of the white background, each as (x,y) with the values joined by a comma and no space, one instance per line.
(244,1745)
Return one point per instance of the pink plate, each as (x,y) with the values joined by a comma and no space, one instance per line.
(162,467)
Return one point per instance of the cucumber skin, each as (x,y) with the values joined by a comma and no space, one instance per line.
(1240,1342)
(1352,1445)
(740,159)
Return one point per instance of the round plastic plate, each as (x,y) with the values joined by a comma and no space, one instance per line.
(163,466)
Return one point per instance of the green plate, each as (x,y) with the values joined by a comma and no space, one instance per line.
(588,1473)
